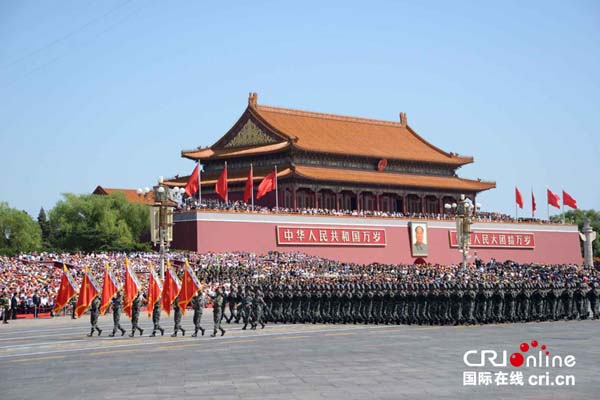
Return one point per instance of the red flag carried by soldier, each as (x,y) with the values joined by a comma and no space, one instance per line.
(154,290)
(67,290)
(189,287)
(87,293)
(110,286)
(132,288)
(569,201)
(171,288)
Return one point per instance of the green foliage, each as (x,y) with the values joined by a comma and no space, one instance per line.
(577,217)
(45,227)
(18,232)
(98,223)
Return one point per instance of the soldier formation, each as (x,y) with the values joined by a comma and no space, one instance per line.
(430,304)
(335,293)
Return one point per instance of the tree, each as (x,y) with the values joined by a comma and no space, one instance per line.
(19,232)
(45,228)
(98,223)
(577,217)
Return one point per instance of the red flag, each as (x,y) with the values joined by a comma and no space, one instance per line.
(518,197)
(569,201)
(189,287)
(533,205)
(268,184)
(171,289)
(67,290)
(249,186)
(192,184)
(221,186)
(110,286)
(87,293)
(553,199)
(154,290)
(132,288)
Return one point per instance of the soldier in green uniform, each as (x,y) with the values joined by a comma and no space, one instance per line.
(217,298)
(246,307)
(117,306)
(5,304)
(177,318)
(594,299)
(198,302)
(73,303)
(258,304)
(136,305)
(94,314)
(156,319)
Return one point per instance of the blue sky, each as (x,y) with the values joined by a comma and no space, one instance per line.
(109,92)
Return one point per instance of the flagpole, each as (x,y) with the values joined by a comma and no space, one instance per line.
(532,210)
(276,192)
(199,185)
(547,203)
(227,191)
(563,208)
(252,182)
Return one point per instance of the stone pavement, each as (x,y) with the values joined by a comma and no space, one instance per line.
(52,359)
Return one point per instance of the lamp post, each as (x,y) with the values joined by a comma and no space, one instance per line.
(463,211)
(7,233)
(161,218)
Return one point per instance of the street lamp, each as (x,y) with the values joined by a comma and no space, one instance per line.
(463,210)
(7,232)
(161,217)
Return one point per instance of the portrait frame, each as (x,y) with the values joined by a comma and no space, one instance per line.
(418,232)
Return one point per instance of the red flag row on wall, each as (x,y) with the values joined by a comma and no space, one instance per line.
(269,183)
(553,199)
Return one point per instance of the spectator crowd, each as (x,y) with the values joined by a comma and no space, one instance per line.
(240,206)
(31,281)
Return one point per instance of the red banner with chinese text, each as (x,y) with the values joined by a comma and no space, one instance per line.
(329,236)
(503,240)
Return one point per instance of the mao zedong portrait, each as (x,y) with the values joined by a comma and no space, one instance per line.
(419,245)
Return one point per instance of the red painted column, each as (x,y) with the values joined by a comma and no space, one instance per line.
(316,198)
(404,203)
(377,198)
(337,201)
(294,202)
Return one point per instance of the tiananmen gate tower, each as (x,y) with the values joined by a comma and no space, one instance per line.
(332,162)
(370,167)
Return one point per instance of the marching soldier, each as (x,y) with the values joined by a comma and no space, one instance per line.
(217,298)
(177,318)
(156,319)
(198,302)
(257,306)
(117,305)
(246,307)
(135,315)
(5,304)
(94,314)
(72,302)
(594,299)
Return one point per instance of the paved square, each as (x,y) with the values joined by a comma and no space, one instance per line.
(53,359)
